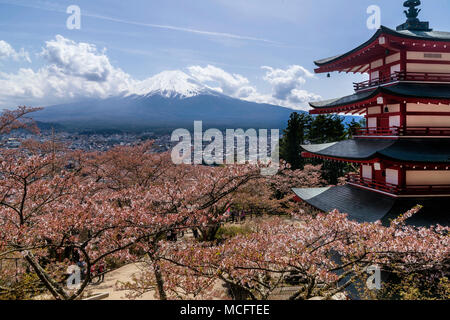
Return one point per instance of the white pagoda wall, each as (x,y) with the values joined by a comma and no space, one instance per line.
(392,58)
(428,121)
(429,56)
(421,107)
(367,172)
(394,121)
(428,67)
(427,177)
(431,68)
(392,176)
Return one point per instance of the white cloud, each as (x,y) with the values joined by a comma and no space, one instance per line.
(8,52)
(302,96)
(285,81)
(77,59)
(286,88)
(78,70)
(73,70)
(234,85)
(286,85)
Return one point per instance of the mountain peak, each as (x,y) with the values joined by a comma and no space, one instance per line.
(171,84)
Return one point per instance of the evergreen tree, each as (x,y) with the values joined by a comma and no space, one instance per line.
(303,129)
(352,126)
(326,129)
(293,137)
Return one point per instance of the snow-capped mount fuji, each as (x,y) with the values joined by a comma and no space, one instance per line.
(171,84)
(169,100)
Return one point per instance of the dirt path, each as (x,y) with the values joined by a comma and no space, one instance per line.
(123,274)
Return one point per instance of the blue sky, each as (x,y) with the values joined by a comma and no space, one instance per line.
(145,37)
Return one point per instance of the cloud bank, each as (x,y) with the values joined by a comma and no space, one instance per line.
(73,70)
(8,52)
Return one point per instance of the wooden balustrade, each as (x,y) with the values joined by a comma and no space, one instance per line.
(396,189)
(403,76)
(373,184)
(398,131)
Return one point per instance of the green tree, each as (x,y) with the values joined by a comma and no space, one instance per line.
(352,126)
(293,137)
(302,129)
(326,129)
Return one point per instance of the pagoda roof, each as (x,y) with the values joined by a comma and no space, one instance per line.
(376,49)
(405,150)
(402,89)
(363,205)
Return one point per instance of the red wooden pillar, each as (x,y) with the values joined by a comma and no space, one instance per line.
(403,116)
(402,177)
(403,60)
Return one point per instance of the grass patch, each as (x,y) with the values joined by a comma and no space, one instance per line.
(230,231)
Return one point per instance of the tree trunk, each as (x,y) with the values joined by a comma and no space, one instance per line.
(209,233)
(54,288)
(159,280)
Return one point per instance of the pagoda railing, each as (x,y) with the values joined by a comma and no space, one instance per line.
(424,131)
(400,131)
(373,184)
(438,190)
(403,76)
(356,179)
(374,131)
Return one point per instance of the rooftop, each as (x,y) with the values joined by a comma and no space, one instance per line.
(404,34)
(367,206)
(401,89)
(436,151)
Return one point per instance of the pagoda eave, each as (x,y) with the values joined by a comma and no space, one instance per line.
(398,92)
(311,155)
(432,153)
(387,161)
(363,205)
(355,61)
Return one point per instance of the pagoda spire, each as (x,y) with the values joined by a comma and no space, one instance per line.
(412,22)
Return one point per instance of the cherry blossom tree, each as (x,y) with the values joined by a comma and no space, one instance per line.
(128,202)
(44,209)
(17,119)
(164,198)
(273,194)
(326,253)
(114,204)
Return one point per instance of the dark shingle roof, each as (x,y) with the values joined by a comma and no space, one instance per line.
(344,100)
(361,205)
(408,150)
(423,35)
(419,90)
(367,206)
(403,89)
(419,35)
(352,149)
(423,150)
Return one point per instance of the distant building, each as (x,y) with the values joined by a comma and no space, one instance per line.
(13,143)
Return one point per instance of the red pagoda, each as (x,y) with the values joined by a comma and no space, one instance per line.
(404,151)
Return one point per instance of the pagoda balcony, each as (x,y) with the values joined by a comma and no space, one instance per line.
(399,131)
(403,76)
(357,180)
